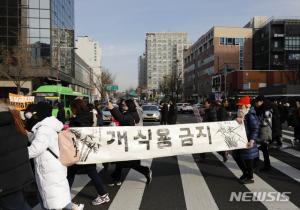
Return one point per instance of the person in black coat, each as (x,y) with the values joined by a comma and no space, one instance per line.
(129,117)
(164,114)
(276,125)
(172,113)
(210,115)
(15,168)
(84,118)
(224,115)
(61,115)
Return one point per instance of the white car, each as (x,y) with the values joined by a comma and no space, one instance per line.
(151,113)
(184,107)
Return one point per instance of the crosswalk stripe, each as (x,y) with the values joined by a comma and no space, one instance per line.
(284,168)
(196,191)
(287,131)
(287,137)
(258,186)
(131,192)
(291,152)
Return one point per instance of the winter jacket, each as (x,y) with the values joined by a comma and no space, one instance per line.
(51,175)
(222,114)
(15,168)
(252,131)
(164,112)
(172,114)
(264,116)
(276,123)
(84,119)
(126,119)
(210,115)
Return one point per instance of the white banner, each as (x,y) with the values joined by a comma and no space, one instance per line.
(109,144)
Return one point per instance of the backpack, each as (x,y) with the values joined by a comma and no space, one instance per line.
(68,151)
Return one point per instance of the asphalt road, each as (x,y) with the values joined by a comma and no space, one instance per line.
(184,183)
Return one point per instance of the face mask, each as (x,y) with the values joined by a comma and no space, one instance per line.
(243,111)
(28,115)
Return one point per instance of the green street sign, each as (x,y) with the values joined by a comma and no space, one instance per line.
(111,87)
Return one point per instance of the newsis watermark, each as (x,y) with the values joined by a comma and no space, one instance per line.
(259,196)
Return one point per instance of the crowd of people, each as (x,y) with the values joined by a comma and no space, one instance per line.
(29,148)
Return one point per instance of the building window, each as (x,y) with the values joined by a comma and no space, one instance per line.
(294,57)
(230,41)
(222,41)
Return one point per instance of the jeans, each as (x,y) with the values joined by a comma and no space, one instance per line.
(91,172)
(14,201)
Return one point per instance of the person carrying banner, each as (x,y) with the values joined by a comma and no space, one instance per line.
(210,115)
(245,157)
(84,118)
(223,115)
(49,172)
(129,117)
(15,169)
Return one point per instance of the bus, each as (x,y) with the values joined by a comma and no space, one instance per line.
(55,94)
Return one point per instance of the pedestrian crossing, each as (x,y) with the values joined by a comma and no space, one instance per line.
(183,183)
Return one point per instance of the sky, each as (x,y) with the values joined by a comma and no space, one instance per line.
(120,26)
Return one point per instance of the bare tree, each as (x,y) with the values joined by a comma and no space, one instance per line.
(172,84)
(100,81)
(16,64)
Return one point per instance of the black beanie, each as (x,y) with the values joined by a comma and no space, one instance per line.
(43,110)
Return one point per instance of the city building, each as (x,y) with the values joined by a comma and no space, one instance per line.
(164,56)
(36,40)
(89,50)
(276,44)
(142,75)
(209,59)
(83,76)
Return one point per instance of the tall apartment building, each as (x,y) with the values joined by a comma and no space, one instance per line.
(43,29)
(164,55)
(142,75)
(215,52)
(89,50)
(276,45)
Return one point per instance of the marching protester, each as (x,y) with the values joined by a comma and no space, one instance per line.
(99,113)
(224,115)
(51,175)
(172,113)
(15,168)
(245,157)
(297,122)
(84,118)
(94,113)
(164,113)
(61,115)
(264,114)
(128,116)
(210,115)
(276,125)
(140,113)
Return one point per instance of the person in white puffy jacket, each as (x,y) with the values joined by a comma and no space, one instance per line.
(51,175)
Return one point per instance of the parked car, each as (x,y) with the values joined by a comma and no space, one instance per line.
(184,107)
(151,113)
